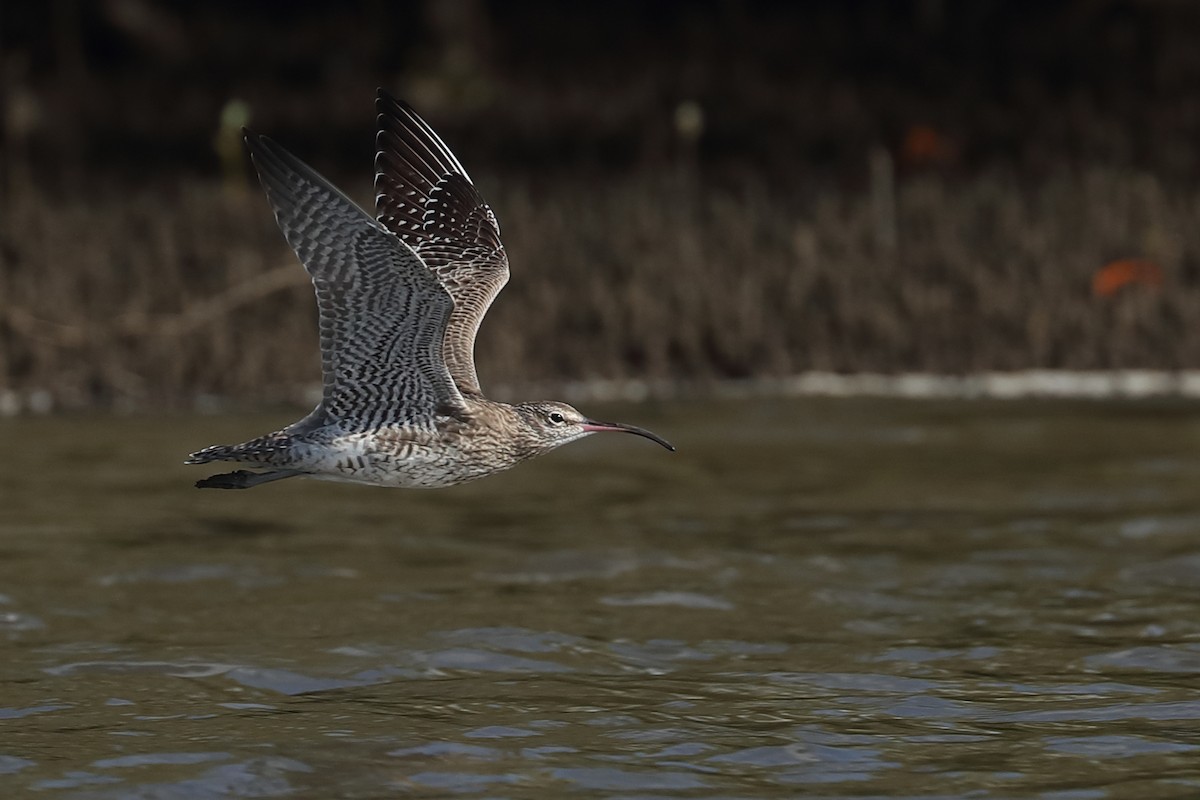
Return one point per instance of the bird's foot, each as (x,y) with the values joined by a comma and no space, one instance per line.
(244,479)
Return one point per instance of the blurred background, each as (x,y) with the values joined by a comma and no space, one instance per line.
(689,191)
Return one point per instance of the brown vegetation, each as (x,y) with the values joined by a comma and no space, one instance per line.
(149,297)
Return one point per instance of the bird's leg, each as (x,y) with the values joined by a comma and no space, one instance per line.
(244,479)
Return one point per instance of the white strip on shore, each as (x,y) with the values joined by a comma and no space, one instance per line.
(1025,383)
(1044,383)
(1066,384)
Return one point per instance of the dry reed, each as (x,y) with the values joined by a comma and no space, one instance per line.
(158,296)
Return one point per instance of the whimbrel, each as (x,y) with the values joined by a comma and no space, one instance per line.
(400,297)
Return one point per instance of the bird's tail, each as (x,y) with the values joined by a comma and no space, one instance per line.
(269,450)
(217,452)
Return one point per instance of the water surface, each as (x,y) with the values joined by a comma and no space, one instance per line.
(811,598)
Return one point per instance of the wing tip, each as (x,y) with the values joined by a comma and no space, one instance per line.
(387,103)
(256,144)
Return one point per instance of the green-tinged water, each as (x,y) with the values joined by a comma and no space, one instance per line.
(811,598)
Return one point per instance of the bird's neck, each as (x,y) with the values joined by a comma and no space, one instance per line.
(504,427)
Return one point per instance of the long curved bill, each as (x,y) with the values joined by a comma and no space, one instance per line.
(592,425)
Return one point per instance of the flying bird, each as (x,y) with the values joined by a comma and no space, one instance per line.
(400,297)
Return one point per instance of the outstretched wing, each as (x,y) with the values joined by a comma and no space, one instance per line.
(424,196)
(383,314)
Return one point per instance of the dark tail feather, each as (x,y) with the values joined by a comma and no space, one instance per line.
(218,452)
(263,450)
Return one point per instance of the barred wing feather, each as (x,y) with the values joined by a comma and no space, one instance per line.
(424,195)
(383,314)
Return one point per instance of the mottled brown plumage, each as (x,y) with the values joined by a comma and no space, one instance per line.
(400,299)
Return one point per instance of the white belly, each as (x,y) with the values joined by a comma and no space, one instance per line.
(410,465)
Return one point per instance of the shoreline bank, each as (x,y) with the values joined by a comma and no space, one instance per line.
(990,385)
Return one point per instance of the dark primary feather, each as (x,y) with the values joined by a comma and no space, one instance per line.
(424,195)
(383,314)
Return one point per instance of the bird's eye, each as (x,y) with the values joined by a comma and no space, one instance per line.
(557,418)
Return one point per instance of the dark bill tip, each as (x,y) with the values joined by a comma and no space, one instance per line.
(617,427)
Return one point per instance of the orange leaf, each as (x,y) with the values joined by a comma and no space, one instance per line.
(924,145)
(1114,275)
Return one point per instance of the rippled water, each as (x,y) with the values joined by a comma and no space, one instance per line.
(811,598)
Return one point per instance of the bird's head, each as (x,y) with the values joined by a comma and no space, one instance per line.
(552,424)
